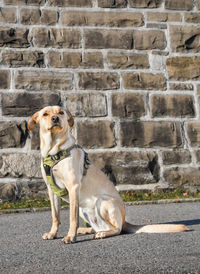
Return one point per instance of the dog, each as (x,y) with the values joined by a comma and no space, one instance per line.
(91,194)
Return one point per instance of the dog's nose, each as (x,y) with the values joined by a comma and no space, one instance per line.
(55,119)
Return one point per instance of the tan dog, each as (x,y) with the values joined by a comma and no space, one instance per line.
(91,194)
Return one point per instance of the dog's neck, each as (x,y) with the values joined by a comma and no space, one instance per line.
(51,144)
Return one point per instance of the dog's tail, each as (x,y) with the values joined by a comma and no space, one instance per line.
(159,228)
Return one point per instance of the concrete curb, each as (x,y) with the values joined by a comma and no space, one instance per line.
(160,202)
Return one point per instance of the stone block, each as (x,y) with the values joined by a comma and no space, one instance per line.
(8,192)
(179,4)
(128,167)
(22,59)
(128,105)
(92,60)
(105,39)
(97,134)
(145,3)
(186,178)
(25,2)
(26,104)
(14,37)
(150,134)
(180,86)
(4,79)
(184,68)
(108,19)
(192,18)
(8,15)
(144,80)
(37,17)
(87,105)
(172,106)
(149,39)
(12,134)
(56,38)
(185,39)
(193,133)
(112,3)
(65,59)
(163,17)
(43,80)
(176,157)
(98,80)
(70,3)
(20,165)
(127,61)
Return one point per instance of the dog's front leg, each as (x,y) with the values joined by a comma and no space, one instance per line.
(55,212)
(74,214)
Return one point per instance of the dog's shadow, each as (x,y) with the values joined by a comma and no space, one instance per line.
(185,222)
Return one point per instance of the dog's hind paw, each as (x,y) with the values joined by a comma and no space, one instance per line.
(69,239)
(100,235)
(49,236)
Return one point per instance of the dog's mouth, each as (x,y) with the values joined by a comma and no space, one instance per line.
(55,125)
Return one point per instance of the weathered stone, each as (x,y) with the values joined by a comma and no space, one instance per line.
(145,3)
(192,18)
(157,61)
(156,26)
(101,39)
(180,86)
(96,134)
(193,133)
(37,17)
(172,105)
(25,104)
(150,134)
(64,59)
(198,156)
(186,178)
(43,80)
(98,80)
(127,61)
(7,15)
(110,19)
(179,4)
(198,4)
(92,60)
(184,68)
(185,38)
(35,138)
(14,37)
(25,2)
(12,134)
(128,167)
(176,157)
(4,79)
(142,80)
(112,3)
(149,39)
(8,192)
(87,105)
(128,105)
(20,165)
(22,59)
(57,38)
(164,17)
(70,3)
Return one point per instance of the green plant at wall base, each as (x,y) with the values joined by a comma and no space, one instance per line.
(126,196)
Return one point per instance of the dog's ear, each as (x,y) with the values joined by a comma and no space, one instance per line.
(33,121)
(70,119)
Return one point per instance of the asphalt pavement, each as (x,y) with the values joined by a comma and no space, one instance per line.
(22,249)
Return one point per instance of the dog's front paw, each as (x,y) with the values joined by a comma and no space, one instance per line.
(69,239)
(49,236)
(100,235)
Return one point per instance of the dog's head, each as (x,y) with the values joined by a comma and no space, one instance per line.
(51,119)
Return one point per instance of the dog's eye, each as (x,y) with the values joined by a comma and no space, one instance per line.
(45,114)
(61,112)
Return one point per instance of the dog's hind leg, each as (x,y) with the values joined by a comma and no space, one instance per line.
(112,214)
(55,213)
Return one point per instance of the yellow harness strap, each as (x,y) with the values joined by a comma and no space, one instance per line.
(50,161)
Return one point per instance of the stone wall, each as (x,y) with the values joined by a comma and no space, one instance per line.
(129,71)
